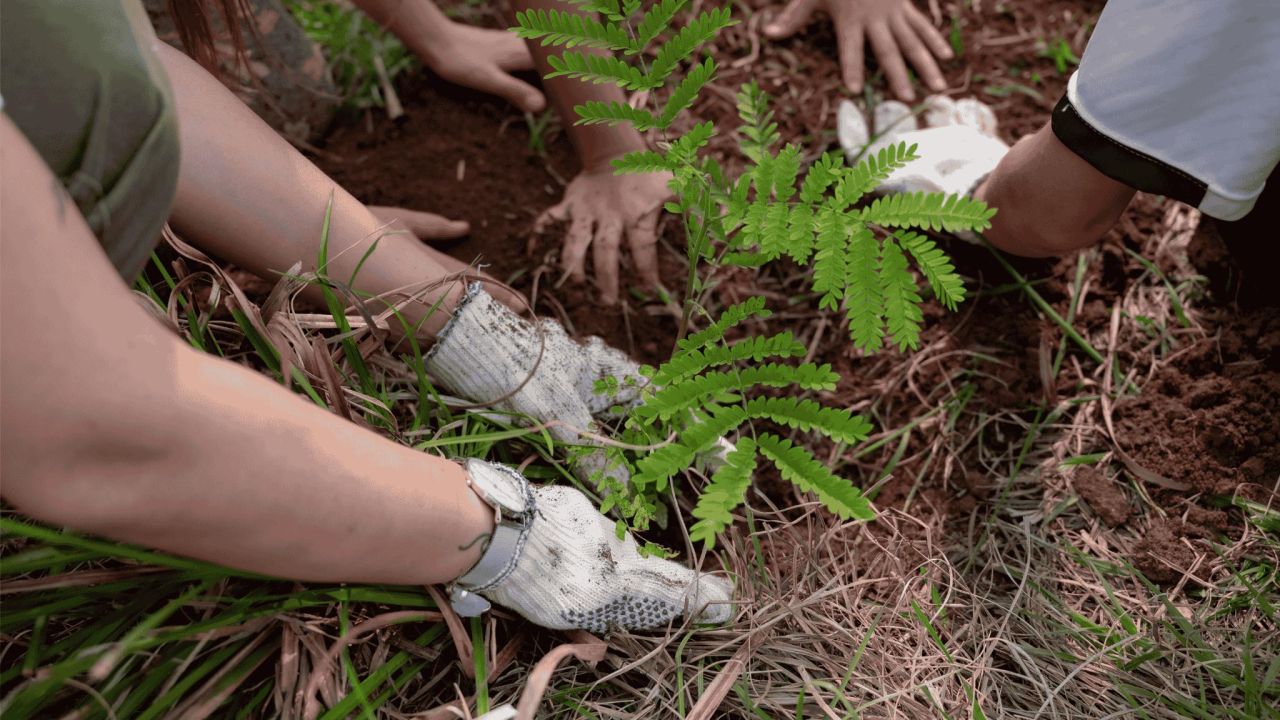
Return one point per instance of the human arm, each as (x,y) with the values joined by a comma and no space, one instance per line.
(248,196)
(114,426)
(473,57)
(601,207)
(1049,201)
(896,29)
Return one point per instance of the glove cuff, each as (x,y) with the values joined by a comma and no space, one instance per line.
(509,494)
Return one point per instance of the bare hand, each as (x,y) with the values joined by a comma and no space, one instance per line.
(483,60)
(896,30)
(600,208)
(426,226)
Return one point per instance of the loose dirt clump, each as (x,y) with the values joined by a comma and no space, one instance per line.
(1211,418)
(1165,553)
(1104,497)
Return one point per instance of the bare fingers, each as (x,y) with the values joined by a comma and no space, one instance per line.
(925,30)
(576,242)
(849,36)
(424,225)
(890,57)
(604,256)
(642,239)
(913,47)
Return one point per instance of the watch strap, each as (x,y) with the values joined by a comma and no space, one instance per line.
(509,494)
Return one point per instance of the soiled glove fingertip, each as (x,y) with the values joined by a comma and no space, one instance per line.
(711,599)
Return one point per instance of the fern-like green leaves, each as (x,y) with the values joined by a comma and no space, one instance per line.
(933,211)
(863,292)
(687,40)
(687,395)
(570,29)
(656,20)
(860,254)
(756,348)
(687,91)
(759,131)
(799,467)
(830,259)
(803,414)
(936,266)
(901,299)
(599,69)
(871,171)
(733,316)
(683,151)
(642,161)
(597,112)
(821,175)
(725,493)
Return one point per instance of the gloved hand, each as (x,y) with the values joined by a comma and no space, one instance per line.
(558,562)
(486,350)
(958,145)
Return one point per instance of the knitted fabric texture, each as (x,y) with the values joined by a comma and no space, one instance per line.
(574,572)
(486,351)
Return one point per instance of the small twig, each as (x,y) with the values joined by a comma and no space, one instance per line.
(394,109)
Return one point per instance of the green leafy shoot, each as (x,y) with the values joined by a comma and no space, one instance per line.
(865,257)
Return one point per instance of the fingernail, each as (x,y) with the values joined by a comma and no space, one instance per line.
(772,29)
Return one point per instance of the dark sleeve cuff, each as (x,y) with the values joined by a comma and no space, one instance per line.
(1121,162)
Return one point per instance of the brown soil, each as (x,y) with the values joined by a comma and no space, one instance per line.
(1208,415)
(1104,497)
(468,156)
(1211,418)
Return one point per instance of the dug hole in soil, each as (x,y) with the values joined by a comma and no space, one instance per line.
(1208,414)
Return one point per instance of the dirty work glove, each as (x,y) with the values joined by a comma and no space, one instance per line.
(958,146)
(558,562)
(486,350)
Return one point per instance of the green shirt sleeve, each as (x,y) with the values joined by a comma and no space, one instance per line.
(82,81)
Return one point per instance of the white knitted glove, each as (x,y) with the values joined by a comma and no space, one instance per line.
(486,351)
(570,570)
(958,146)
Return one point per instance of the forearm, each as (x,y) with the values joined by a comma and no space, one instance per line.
(112,425)
(1048,200)
(250,476)
(248,196)
(419,24)
(596,144)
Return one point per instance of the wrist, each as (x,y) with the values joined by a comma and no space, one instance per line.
(477,522)
(599,153)
(511,507)
(419,24)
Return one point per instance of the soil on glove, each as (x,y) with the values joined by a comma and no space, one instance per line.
(1207,417)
